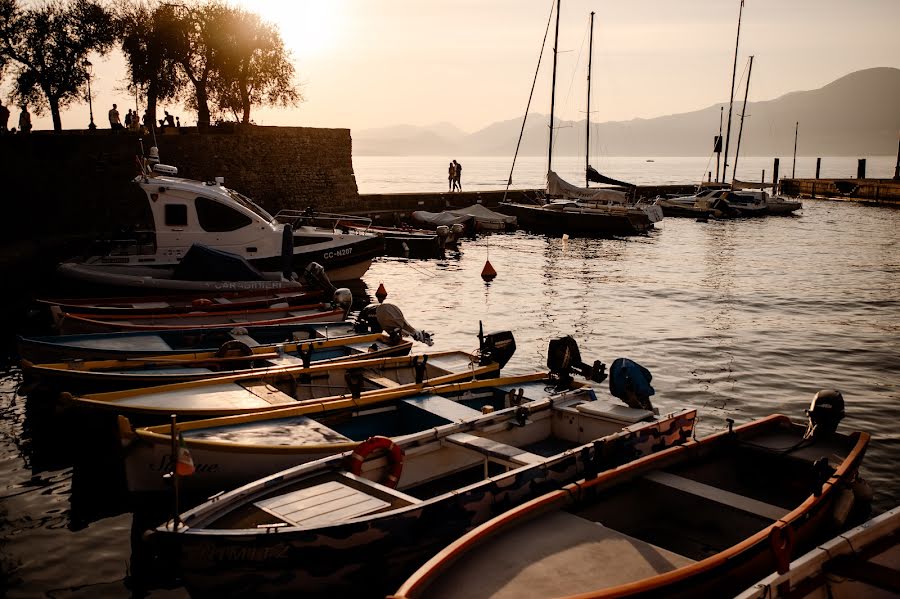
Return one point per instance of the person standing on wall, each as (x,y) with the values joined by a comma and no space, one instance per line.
(24,120)
(114,123)
(451,176)
(457,181)
(4,119)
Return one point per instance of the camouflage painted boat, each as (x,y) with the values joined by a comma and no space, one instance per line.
(234,450)
(320,528)
(233,357)
(292,386)
(701,520)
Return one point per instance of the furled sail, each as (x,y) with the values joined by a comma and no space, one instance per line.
(595,177)
(559,188)
(735,184)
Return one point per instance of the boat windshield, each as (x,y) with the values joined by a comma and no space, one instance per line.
(249,204)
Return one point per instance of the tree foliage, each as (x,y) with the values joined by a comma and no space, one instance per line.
(254,66)
(48,46)
(150,38)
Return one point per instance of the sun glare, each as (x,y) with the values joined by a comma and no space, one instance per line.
(308,27)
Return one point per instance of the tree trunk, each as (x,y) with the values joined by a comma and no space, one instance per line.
(54,112)
(245,104)
(202,105)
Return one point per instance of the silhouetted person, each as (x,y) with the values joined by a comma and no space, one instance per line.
(170,120)
(4,118)
(457,183)
(114,123)
(178,122)
(25,120)
(451,176)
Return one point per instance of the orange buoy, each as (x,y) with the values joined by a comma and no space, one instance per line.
(488,273)
(381,293)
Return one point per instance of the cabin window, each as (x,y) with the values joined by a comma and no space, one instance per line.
(176,215)
(215,217)
(311,240)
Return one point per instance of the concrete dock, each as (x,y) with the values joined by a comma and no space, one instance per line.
(873,191)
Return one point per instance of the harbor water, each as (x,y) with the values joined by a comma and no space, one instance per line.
(739,318)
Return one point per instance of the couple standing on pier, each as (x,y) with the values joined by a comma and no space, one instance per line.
(453,177)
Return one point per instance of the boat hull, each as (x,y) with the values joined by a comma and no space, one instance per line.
(374,552)
(576,222)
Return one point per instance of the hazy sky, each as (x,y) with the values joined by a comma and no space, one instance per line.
(375,63)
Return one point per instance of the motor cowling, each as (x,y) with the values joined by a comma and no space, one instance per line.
(825,413)
(630,382)
(314,276)
(343,298)
(497,347)
(367,321)
(564,358)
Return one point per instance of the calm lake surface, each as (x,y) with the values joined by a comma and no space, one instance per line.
(739,318)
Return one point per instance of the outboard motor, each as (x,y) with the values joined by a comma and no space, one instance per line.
(825,412)
(564,357)
(443,234)
(343,298)
(367,321)
(630,382)
(496,347)
(314,276)
(388,318)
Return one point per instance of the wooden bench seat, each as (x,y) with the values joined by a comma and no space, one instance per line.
(494,450)
(739,502)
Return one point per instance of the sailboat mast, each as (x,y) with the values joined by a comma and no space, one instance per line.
(737,150)
(587,132)
(731,99)
(553,91)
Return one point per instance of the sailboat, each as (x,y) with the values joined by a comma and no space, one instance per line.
(579,210)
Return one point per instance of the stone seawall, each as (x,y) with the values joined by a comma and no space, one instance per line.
(79,182)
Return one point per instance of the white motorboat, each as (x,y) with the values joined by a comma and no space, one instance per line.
(206,213)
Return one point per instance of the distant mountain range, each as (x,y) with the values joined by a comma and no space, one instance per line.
(856,115)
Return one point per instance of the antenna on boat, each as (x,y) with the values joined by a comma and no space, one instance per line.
(731,99)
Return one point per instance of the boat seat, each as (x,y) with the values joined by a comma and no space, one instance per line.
(451,411)
(739,502)
(614,412)
(221,300)
(383,381)
(247,339)
(267,392)
(494,450)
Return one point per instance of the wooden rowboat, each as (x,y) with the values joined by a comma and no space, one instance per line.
(69,323)
(298,385)
(135,344)
(701,520)
(175,304)
(862,562)
(330,526)
(233,357)
(234,450)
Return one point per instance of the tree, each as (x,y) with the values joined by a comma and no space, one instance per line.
(48,47)
(150,39)
(253,66)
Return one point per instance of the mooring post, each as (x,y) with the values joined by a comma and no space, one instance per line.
(818,166)
(775,178)
(861,169)
(897,167)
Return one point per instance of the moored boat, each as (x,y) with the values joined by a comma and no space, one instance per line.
(70,323)
(232,358)
(187,212)
(277,388)
(136,344)
(861,562)
(700,520)
(347,522)
(234,450)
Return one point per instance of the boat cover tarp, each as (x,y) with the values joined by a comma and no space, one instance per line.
(595,177)
(735,184)
(203,263)
(484,215)
(559,188)
(475,212)
(436,219)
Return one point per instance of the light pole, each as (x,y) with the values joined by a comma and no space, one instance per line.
(92,126)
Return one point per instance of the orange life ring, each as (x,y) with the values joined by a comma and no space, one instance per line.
(781,542)
(394,452)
